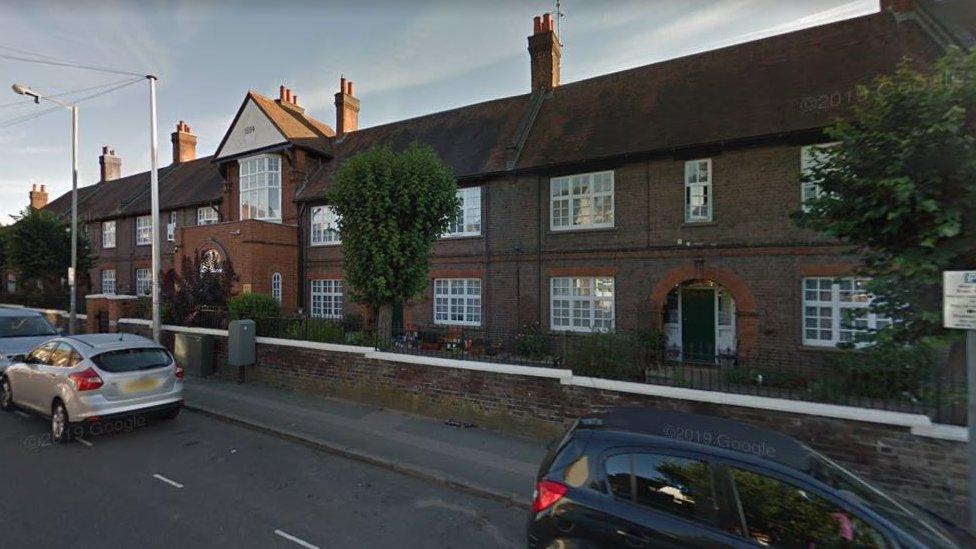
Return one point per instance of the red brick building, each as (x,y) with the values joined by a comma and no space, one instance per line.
(658,196)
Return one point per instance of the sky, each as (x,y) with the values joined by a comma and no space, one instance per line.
(407,58)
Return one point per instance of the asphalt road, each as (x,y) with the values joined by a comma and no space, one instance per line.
(200,482)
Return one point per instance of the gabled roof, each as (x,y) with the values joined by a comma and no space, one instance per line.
(472,140)
(294,125)
(786,83)
(181,185)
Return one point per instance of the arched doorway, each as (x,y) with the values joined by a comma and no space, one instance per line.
(687,300)
(700,322)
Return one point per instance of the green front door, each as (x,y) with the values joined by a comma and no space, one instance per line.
(698,325)
(397,323)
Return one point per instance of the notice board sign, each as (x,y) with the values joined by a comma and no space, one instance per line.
(959,299)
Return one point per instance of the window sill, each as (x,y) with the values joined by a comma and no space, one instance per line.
(461,237)
(325,244)
(582,230)
(689,224)
(823,349)
(446,325)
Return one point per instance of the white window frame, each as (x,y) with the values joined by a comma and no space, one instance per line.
(324,227)
(261,175)
(143,230)
(171,226)
(457,301)
(809,156)
(276,287)
(206,216)
(143,281)
(108,234)
(108,281)
(326,298)
(574,304)
(469,214)
(825,301)
(573,201)
(698,187)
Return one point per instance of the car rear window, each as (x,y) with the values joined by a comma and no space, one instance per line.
(25,326)
(131,360)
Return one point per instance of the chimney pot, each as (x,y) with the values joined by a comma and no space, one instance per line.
(294,100)
(281,92)
(349,88)
(110,165)
(184,143)
(536,25)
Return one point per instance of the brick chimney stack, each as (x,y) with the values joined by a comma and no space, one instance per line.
(288,99)
(545,51)
(111,165)
(38,196)
(184,143)
(347,108)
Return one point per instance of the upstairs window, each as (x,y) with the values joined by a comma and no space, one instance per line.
(468,222)
(206,215)
(261,188)
(108,281)
(811,156)
(581,304)
(583,201)
(835,310)
(108,234)
(698,190)
(143,230)
(143,282)
(325,226)
(171,226)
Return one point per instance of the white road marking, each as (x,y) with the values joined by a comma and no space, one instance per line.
(21,413)
(299,541)
(83,441)
(172,483)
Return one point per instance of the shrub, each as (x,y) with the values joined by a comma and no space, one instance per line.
(252,306)
(531,343)
(612,355)
(765,377)
(885,371)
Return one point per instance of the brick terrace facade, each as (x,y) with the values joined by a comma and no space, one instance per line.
(750,111)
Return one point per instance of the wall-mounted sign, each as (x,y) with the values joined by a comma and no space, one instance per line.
(959,299)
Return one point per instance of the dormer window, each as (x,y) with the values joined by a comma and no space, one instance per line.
(261,188)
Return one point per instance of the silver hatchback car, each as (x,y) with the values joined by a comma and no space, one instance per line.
(91,378)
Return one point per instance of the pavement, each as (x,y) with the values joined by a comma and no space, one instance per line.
(471,459)
(197,481)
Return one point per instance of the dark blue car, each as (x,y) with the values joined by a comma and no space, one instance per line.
(20,331)
(633,477)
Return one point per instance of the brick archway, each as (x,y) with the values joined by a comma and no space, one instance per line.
(747,311)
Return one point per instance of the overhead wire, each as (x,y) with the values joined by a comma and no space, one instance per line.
(31,116)
(67,93)
(45,59)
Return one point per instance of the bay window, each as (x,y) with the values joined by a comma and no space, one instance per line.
(260,182)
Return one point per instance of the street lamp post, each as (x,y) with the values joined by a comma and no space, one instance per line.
(154,204)
(73,312)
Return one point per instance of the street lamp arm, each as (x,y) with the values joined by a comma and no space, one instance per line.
(21,89)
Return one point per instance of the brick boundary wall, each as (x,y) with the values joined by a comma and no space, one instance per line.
(903,453)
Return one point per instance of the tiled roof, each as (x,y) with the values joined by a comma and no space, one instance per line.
(472,140)
(786,83)
(180,185)
(297,127)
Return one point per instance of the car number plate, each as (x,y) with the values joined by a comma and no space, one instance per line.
(140,385)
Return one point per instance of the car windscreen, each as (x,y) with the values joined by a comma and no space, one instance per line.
(908,518)
(131,360)
(25,326)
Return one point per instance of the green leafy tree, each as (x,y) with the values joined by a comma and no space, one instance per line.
(901,187)
(198,295)
(392,208)
(38,248)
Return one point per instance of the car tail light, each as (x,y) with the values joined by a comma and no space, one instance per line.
(178,370)
(87,380)
(547,493)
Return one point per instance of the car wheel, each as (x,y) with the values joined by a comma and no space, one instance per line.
(6,395)
(170,414)
(60,426)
